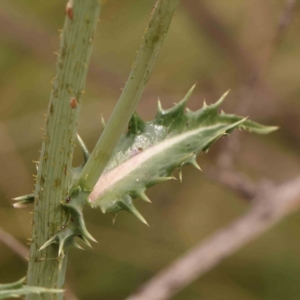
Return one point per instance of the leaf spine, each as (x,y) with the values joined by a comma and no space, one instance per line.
(85,151)
(86,234)
(23,200)
(76,245)
(163,179)
(85,240)
(52,240)
(159,107)
(180,172)
(220,101)
(142,195)
(103,122)
(193,162)
(131,208)
(114,217)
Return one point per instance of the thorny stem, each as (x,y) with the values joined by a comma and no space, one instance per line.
(58,144)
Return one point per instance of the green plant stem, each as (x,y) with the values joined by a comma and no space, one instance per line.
(55,165)
(152,41)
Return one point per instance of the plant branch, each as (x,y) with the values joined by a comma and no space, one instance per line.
(269,207)
(233,180)
(55,165)
(152,41)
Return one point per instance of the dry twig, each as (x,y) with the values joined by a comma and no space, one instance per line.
(270,206)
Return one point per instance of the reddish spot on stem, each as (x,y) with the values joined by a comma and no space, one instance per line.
(69,10)
(73,102)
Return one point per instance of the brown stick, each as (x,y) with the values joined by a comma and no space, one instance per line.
(270,206)
(236,182)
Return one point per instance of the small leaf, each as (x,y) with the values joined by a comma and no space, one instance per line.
(17,289)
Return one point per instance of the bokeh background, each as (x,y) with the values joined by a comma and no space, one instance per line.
(249,46)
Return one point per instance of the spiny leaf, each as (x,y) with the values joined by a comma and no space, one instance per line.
(63,238)
(75,226)
(151,151)
(146,155)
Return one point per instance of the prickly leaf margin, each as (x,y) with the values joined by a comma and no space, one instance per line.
(146,155)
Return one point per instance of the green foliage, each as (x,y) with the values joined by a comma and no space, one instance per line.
(148,154)
(196,55)
(122,167)
(18,289)
(173,139)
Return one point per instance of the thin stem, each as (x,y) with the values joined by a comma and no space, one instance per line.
(152,41)
(58,144)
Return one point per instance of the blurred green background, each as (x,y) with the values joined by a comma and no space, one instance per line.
(218,44)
